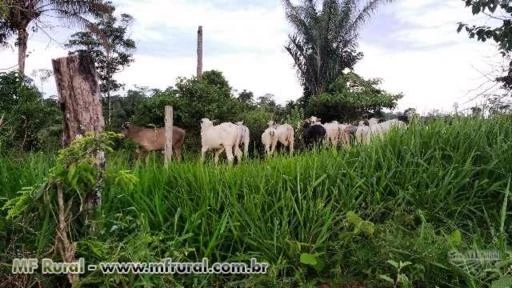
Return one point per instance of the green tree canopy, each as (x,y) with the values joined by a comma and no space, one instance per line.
(350,97)
(111,50)
(324,41)
(29,120)
(20,15)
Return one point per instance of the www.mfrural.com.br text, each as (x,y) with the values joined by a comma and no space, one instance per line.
(165,266)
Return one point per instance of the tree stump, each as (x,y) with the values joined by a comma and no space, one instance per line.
(79,95)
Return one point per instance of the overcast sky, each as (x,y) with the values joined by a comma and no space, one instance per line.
(411,44)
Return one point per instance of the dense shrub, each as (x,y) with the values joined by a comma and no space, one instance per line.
(29,121)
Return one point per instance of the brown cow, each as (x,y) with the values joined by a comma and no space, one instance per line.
(153,139)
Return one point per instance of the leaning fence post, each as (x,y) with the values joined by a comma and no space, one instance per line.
(168,133)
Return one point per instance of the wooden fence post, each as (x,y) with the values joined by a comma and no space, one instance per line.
(168,133)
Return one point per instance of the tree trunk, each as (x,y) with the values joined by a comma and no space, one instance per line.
(79,95)
(22,49)
(109,104)
(109,113)
(199,51)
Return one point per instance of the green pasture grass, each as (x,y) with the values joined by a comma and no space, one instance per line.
(416,186)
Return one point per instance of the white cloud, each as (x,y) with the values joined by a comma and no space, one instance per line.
(40,56)
(258,34)
(261,66)
(245,27)
(429,79)
(437,67)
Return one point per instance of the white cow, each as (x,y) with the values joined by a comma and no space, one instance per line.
(267,138)
(362,134)
(387,125)
(375,129)
(344,134)
(332,135)
(278,133)
(244,137)
(314,120)
(223,137)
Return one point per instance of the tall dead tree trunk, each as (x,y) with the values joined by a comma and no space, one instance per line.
(22,49)
(199,51)
(79,96)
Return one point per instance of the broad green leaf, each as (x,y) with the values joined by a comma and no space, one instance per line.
(393,263)
(387,278)
(367,228)
(308,259)
(455,238)
(403,264)
(503,282)
(353,218)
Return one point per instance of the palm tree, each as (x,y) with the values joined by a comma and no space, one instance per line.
(19,15)
(324,42)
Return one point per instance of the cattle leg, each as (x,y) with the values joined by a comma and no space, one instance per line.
(267,150)
(203,151)
(291,141)
(137,154)
(274,143)
(246,148)
(142,154)
(238,153)
(178,154)
(217,153)
(229,153)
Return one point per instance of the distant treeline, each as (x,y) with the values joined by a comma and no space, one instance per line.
(32,122)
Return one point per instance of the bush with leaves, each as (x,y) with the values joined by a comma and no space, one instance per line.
(349,98)
(29,121)
(67,193)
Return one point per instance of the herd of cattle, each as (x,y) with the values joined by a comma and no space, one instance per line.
(229,137)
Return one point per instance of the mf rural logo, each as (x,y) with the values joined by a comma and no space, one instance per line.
(166,266)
